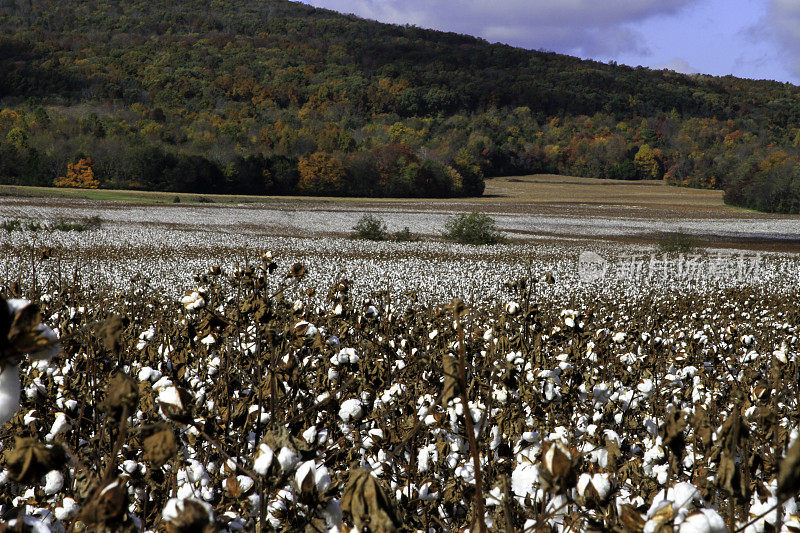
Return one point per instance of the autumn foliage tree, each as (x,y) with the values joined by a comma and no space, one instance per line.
(321,173)
(79,174)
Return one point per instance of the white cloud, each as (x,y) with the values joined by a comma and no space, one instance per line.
(679,65)
(583,27)
(782,23)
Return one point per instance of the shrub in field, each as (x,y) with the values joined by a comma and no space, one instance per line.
(475,228)
(678,242)
(370,227)
(404,235)
(11,225)
(88,223)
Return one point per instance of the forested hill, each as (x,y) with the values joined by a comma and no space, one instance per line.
(275,97)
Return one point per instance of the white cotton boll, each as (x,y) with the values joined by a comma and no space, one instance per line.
(60,425)
(310,434)
(703,521)
(208,340)
(53,482)
(602,484)
(172,509)
(298,306)
(512,308)
(319,475)
(646,388)
(525,479)
(245,483)
(69,508)
(333,342)
(619,337)
(351,410)
(130,466)
(288,459)
(193,300)
(338,310)
(170,396)
(10,389)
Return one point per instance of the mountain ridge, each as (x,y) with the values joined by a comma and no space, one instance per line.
(239,93)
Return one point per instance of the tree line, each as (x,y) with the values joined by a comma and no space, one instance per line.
(277,97)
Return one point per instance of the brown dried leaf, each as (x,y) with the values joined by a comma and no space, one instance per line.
(365,500)
(160,447)
(122,393)
(631,520)
(30,459)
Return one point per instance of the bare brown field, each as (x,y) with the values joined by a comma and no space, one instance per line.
(538,189)
(533,208)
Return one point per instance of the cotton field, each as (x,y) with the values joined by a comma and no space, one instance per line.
(187,378)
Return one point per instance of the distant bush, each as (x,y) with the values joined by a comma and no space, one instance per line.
(678,242)
(11,225)
(32,225)
(475,228)
(88,223)
(405,235)
(204,200)
(66,225)
(369,227)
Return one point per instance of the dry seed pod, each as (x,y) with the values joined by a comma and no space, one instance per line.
(188,516)
(160,446)
(298,271)
(672,431)
(110,331)
(122,392)
(662,519)
(107,511)
(21,332)
(560,467)
(451,389)
(365,500)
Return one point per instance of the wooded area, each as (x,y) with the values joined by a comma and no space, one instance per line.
(274,97)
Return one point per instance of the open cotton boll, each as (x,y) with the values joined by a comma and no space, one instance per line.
(175,507)
(170,396)
(10,389)
(703,521)
(53,482)
(351,410)
(263,460)
(288,459)
(60,425)
(319,475)
(69,508)
(49,351)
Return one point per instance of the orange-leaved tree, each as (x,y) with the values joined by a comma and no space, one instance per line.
(79,174)
(321,173)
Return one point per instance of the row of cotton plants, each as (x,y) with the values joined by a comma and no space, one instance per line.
(261,398)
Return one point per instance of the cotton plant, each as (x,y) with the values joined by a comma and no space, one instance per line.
(21,334)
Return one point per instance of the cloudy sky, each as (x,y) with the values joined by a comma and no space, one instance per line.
(746,38)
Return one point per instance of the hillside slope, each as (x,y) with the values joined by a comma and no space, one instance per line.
(279,97)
